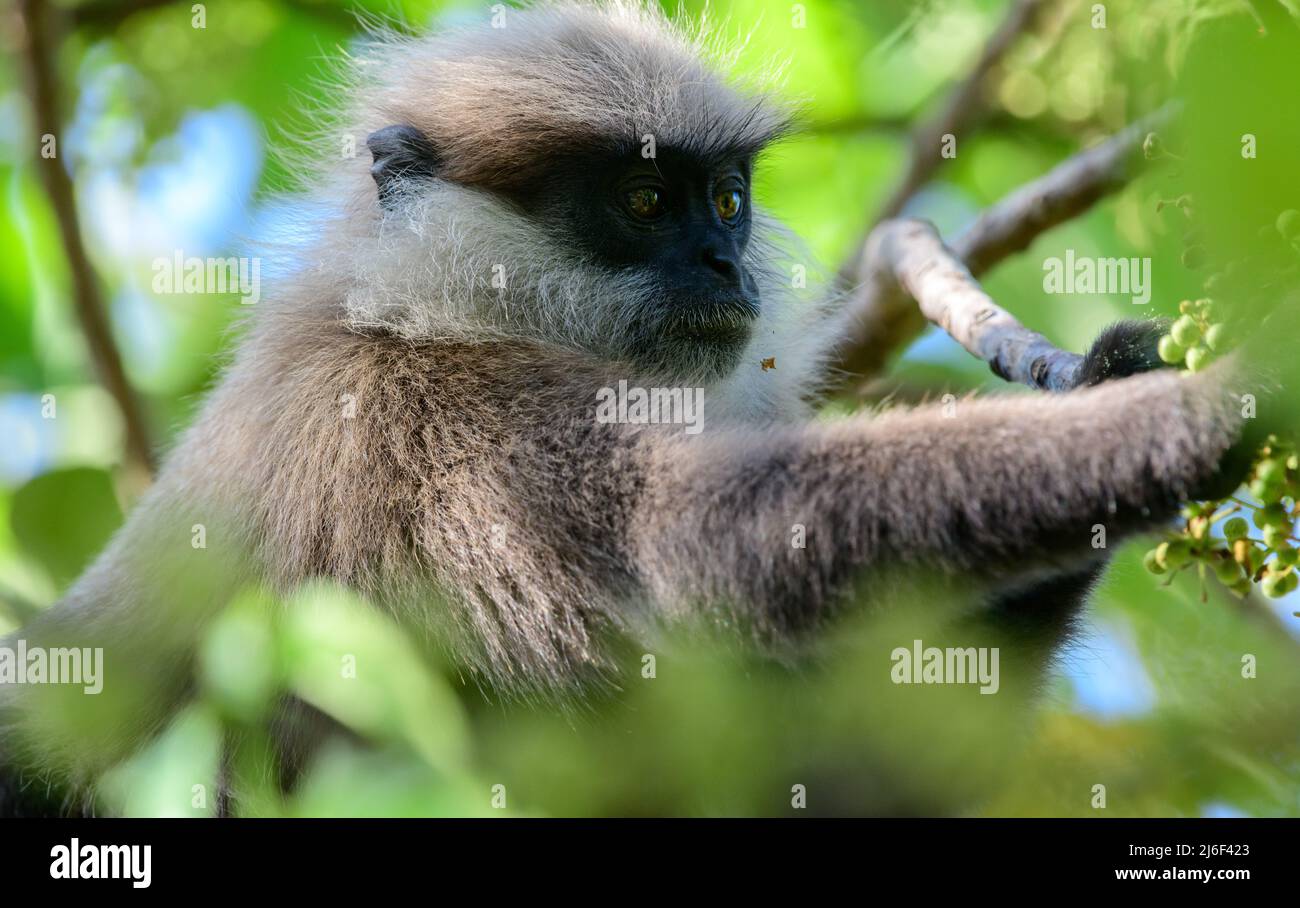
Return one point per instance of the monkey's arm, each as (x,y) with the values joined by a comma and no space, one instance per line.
(1004,487)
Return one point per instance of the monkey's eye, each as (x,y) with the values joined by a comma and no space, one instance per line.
(728,204)
(645,203)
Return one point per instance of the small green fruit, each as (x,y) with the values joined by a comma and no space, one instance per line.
(1197,359)
(1243,552)
(1215,337)
(1152,563)
(1174,554)
(1271,471)
(1169,351)
(1228,571)
(1277,585)
(1274,515)
(1185,331)
(1236,528)
(1274,537)
(1266,491)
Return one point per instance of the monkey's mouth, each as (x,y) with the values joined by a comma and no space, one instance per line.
(717,334)
(701,337)
(722,323)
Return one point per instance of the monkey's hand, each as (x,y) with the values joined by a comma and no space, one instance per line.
(1123,349)
(1129,348)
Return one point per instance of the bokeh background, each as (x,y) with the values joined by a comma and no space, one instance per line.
(169,133)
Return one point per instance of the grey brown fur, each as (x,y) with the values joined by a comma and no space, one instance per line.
(473,492)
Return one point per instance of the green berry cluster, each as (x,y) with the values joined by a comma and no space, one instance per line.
(1194,337)
(1244,556)
(1264,553)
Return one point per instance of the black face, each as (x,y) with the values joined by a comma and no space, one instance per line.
(678,222)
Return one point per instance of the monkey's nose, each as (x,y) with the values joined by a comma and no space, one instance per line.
(722,264)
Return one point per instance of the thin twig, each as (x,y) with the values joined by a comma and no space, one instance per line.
(961,107)
(42,88)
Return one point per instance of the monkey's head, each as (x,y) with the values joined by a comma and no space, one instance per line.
(585,175)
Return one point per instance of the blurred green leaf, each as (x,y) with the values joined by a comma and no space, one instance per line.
(347,658)
(238,662)
(64,518)
(176,775)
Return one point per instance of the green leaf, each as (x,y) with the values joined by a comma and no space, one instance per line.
(64,518)
(176,774)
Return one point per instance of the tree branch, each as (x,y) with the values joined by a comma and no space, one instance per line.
(42,89)
(962,106)
(880,316)
(908,254)
(1068,190)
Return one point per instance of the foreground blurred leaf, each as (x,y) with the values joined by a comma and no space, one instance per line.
(237,661)
(351,661)
(64,518)
(348,783)
(176,776)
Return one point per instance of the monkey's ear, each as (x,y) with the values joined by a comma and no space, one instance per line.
(401,153)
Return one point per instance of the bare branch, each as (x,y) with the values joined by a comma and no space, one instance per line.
(1067,191)
(910,254)
(42,89)
(961,107)
(880,318)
